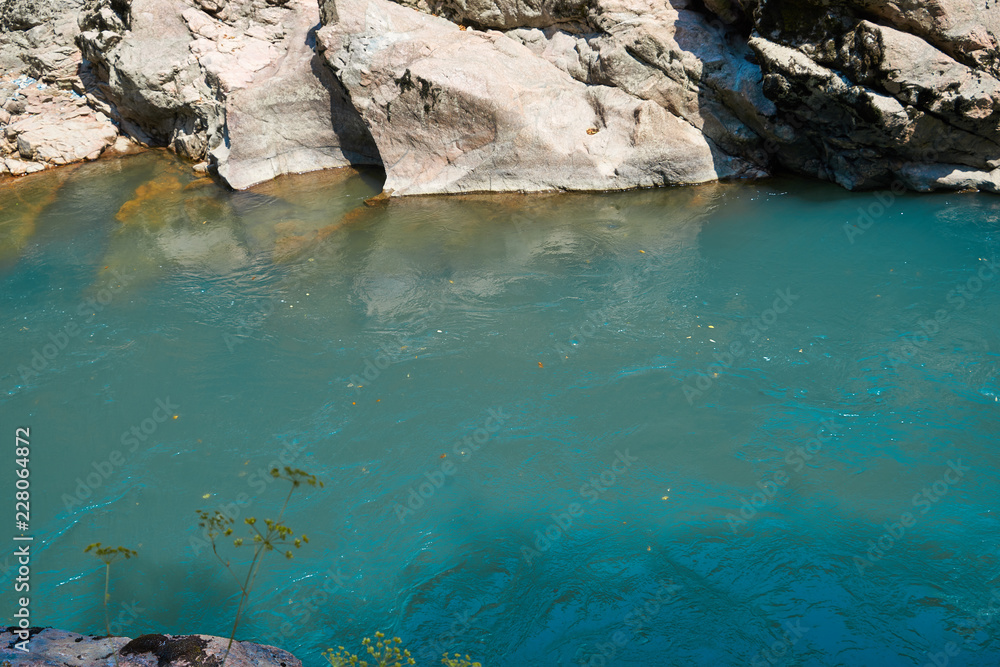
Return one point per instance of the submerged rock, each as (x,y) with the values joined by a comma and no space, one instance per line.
(49,647)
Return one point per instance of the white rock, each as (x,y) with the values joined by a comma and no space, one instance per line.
(463,111)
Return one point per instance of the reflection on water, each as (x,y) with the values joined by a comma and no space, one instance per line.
(21,202)
(775,389)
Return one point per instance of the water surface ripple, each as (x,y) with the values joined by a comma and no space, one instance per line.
(683,426)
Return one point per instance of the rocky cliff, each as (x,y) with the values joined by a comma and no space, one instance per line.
(499,95)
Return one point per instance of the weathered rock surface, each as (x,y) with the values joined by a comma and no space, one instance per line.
(866,104)
(967,30)
(56,648)
(46,127)
(462,110)
(672,56)
(461,95)
(36,38)
(237,82)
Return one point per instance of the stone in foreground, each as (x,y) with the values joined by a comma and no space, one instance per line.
(49,647)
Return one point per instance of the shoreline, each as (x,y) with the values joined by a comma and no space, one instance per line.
(504,98)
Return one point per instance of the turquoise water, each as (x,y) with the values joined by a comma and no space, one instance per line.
(669,427)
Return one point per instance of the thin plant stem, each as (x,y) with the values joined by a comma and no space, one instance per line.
(107,596)
(258,557)
(107,580)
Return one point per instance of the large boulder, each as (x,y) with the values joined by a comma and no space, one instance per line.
(234,82)
(460,110)
(459,95)
(673,56)
(967,30)
(817,86)
(506,14)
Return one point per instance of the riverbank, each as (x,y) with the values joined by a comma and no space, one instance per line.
(614,94)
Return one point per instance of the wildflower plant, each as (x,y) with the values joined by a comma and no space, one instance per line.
(273,535)
(108,555)
(387,653)
(459,661)
(383,653)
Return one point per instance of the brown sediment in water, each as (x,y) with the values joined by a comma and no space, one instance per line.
(22,201)
(352,217)
(201,209)
(143,207)
(291,244)
(202,182)
(294,186)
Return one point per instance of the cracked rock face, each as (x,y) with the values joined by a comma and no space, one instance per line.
(47,127)
(36,38)
(48,647)
(455,110)
(499,95)
(867,93)
(868,104)
(236,82)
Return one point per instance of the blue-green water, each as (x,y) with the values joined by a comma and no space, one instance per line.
(622,372)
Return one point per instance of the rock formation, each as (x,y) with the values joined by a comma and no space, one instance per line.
(867,104)
(237,82)
(37,38)
(494,95)
(45,126)
(456,110)
(48,647)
